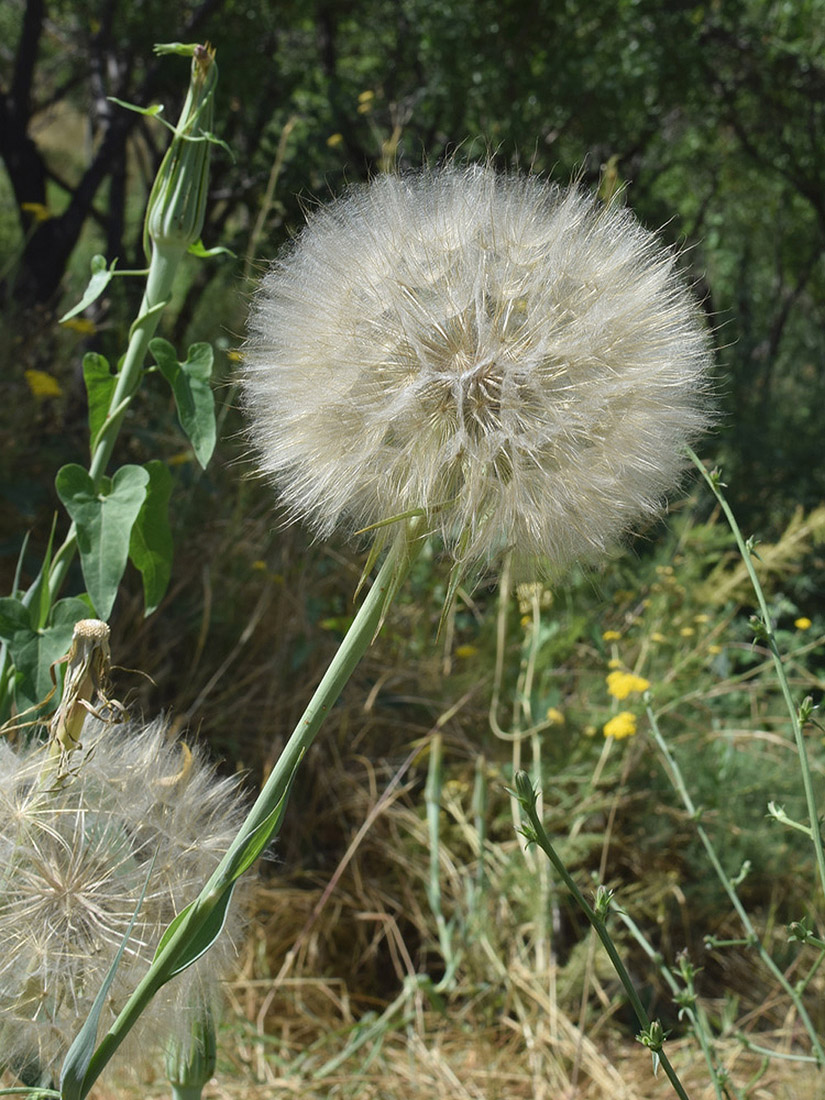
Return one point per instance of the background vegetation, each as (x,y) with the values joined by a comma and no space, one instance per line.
(711,117)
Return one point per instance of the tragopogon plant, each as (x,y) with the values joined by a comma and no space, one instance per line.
(513,367)
(123,516)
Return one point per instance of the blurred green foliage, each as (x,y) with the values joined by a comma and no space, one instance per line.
(709,115)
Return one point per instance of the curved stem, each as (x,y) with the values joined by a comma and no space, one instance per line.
(796,725)
(753,940)
(360,635)
(538,834)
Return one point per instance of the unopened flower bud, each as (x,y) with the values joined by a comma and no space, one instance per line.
(190,1060)
(174,217)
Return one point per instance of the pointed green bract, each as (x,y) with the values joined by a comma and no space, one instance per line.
(150,545)
(104,523)
(193,395)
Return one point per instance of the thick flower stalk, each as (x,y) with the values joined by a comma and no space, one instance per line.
(137,810)
(520,364)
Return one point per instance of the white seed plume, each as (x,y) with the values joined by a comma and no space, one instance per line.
(75,856)
(520,363)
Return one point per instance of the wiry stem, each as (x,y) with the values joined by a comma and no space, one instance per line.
(361,633)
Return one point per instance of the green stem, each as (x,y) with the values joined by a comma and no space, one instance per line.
(747,557)
(162,269)
(540,836)
(364,627)
(159,280)
(753,939)
(695,1016)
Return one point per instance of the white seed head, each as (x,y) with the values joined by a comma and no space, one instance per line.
(75,857)
(519,362)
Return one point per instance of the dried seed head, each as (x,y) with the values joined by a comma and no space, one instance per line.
(520,363)
(75,857)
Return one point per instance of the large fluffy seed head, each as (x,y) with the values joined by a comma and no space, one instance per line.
(75,856)
(521,363)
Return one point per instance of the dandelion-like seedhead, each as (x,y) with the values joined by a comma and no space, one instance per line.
(75,855)
(520,363)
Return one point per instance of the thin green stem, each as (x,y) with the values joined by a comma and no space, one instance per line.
(160,277)
(539,836)
(162,269)
(364,627)
(770,636)
(695,1016)
(753,940)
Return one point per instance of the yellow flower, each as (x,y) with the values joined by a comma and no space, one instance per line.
(334,140)
(42,384)
(614,662)
(622,725)
(687,631)
(802,623)
(555,716)
(83,325)
(701,618)
(466,651)
(714,649)
(365,102)
(621,684)
(658,637)
(611,636)
(39,212)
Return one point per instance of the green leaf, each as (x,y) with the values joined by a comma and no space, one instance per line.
(151,313)
(79,1055)
(101,277)
(193,394)
(14,617)
(200,941)
(261,836)
(182,49)
(104,524)
(204,253)
(35,651)
(152,112)
(150,545)
(100,385)
(38,596)
(208,931)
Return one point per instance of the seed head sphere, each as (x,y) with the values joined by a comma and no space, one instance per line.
(521,364)
(139,814)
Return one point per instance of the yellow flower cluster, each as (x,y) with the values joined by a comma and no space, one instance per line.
(621,684)
(621,725)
